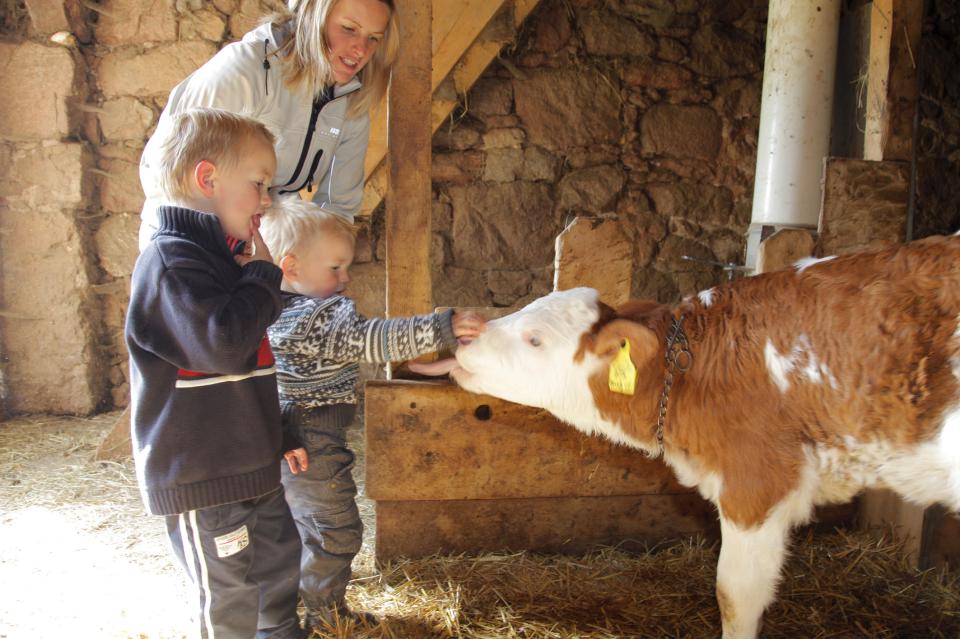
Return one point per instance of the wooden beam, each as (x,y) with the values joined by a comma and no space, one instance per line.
(878,70)
(409,288)
(903,86)
(571,525)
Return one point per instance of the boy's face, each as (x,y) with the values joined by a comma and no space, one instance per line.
(240,191)
(321,266)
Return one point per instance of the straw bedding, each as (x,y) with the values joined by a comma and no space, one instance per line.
(81,559)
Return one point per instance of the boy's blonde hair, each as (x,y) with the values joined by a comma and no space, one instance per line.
(203,133)
(291,221)
(305,53)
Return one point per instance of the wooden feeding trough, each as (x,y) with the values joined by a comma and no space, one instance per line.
(454,472)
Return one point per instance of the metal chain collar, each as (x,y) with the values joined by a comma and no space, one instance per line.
(679,360)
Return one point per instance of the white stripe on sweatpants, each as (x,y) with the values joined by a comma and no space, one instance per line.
(197,554)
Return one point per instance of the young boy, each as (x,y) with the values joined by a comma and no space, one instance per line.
(205,413)
(318,341)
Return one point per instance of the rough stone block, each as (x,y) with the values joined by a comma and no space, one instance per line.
(137,22)
(155,71)
(48,175)
(125,118)
(47,334)
(864,205)
(704,203)
(598,254)
(681,131)
(503,139)
(47,16)
(562,109)
(606,33)
(490,96)
(593,189)
(119,180)
(202,25)
(503,225)
(35,84)
(116,242)
(502,165)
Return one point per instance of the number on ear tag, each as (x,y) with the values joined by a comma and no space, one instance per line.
(623,374)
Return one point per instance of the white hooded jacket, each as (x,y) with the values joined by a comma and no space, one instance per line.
(317,146)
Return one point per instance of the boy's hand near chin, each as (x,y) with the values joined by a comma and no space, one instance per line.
(258,246)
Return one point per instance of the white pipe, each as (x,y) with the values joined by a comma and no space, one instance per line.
(798,74)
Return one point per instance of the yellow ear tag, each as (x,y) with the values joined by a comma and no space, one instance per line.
(623,374)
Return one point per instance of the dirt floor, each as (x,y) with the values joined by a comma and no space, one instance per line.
(79,558)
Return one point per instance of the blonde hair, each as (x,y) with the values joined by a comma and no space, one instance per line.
(291,221)
(305,53)
(203,133)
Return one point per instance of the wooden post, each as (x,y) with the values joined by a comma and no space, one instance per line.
(409,287)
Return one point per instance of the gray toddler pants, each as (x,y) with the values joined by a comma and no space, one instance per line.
(323,503)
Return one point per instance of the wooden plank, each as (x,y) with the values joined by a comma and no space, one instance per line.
(864,205)
(903,85)
(117,444)
(598,254)
(409,289)
(434,441)
(468,24)
(784,248)
(881,507)
(557,525)
(878,71)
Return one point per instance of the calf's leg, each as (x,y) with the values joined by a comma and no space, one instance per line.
(747,573)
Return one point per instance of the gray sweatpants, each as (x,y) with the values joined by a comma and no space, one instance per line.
(323,503)
(242,559)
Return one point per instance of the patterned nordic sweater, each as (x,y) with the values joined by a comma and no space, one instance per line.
(318,344)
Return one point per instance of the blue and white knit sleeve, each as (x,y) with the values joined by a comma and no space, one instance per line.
(350,337)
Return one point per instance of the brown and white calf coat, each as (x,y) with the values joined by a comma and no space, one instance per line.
(802,387)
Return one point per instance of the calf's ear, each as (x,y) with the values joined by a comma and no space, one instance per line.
(612,337)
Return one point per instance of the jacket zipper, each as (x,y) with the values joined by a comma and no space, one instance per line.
(318,103)
(308,184)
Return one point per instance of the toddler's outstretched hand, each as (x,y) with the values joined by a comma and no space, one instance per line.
(467,325)
(296,459)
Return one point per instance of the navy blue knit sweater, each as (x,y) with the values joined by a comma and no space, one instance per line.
(205,415)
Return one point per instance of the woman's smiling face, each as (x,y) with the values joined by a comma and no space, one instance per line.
(353,32)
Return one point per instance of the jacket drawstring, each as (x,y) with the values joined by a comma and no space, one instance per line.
(266,68)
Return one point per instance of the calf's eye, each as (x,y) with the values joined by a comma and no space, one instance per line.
(534,341)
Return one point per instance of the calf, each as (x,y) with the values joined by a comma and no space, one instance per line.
(770,394)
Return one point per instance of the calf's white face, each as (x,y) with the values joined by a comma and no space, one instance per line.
(528,357)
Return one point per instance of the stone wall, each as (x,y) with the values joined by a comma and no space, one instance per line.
(938,137)
(49,318)
(642,110)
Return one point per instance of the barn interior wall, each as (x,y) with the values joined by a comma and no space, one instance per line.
(647,111)
(938,134)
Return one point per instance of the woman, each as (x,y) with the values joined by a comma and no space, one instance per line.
(311,75)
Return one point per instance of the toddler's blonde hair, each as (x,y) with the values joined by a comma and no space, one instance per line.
(204,133)
(291,221)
